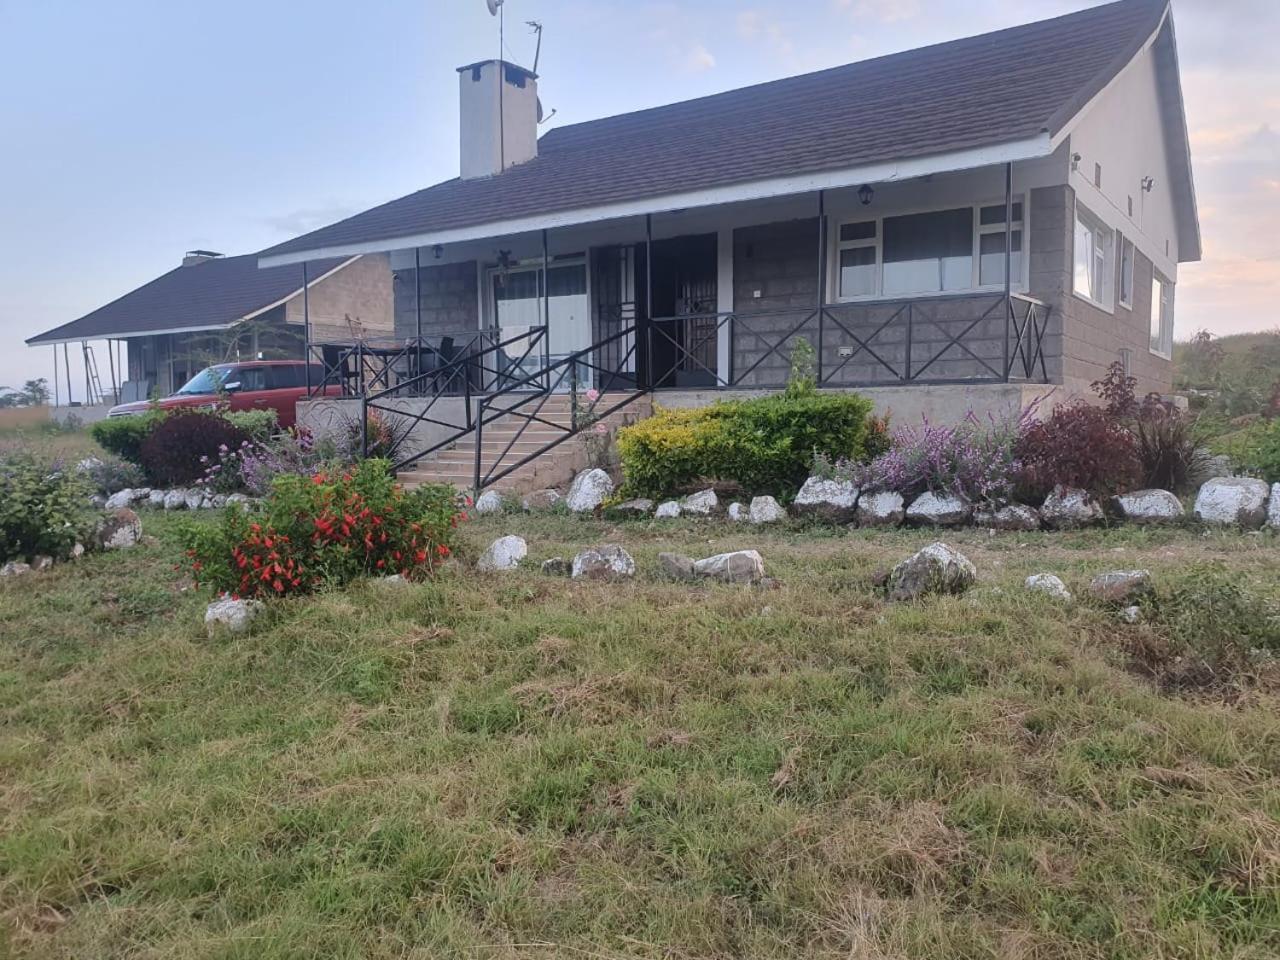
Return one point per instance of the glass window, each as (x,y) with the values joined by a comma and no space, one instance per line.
(928,252)
(284,377)
(1093,263)
(209,380)
(1161,317)
(866,230)
(995,214)
(1126,273)
(858,272)
(249,378)
(991,263)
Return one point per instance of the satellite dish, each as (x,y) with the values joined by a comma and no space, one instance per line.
(493,6)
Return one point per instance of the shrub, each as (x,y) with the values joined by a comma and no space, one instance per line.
(1209,611)
(108,475)
(180,447)
(1254,449)
(41,508)
(765,444)
(325,530)
(1078,445)
(257,424)
(294,453)
(124,436)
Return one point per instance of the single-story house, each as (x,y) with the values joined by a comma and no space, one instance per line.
(953,227)
(214,308)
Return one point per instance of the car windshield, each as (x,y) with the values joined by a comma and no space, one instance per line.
(208,380)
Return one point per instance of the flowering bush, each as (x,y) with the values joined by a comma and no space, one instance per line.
(172,453)
(253,466)
(326,529)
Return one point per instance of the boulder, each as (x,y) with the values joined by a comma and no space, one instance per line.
(1068,508)
(175,500)
(488,502)
(766,510)
(557,567)
(77,551)
(541,500)
(120,531)
(218,501)
(15,568)
(667,511)
(589,490)
(121,498)
(833,501)
(1048,583)
(1273,508)
(194,498)
(88,464)
(639,507)
(883,509)
(394,582)
(41,562)
(505,553)
(939,510)
(608,562)
(701,504)
(1121,587)
(1233,502)
(233,616)
(935,569)
(675,566)
(240,499)
(1014,517)
(739,512)
(156,499)
(740,566)
(1131,614)
(1148,507)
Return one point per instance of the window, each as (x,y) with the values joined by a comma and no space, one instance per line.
(928,252)
(1161,317)
(858,266)
(1094,263)
(288,377)
(1126,273)
(991,244)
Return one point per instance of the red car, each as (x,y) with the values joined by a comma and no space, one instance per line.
(253,385)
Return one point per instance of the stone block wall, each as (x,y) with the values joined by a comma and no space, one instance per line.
(450,304)
(352,303)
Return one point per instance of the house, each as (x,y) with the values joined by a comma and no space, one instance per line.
(953,227)
(214,308)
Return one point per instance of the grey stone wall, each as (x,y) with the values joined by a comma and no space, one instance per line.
(352,303)
(449,300)
(775,287)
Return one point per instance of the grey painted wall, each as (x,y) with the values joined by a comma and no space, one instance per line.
(449,300)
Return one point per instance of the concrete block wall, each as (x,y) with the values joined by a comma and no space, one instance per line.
(450,304)
(354,302)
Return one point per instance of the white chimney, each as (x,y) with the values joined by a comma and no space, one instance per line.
(194,257)
(499,117)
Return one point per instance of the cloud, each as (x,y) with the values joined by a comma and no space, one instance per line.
(757,27)
(882,11)
(698,58)
(305,220)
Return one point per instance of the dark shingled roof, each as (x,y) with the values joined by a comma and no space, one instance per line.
(996,88)
(215,293)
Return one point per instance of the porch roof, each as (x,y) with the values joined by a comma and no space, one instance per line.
(988,99)
(211,295)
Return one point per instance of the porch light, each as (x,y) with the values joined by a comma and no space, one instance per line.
(1147,184)
(865,193)
(437,251)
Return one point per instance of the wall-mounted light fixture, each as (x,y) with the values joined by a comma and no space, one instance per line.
(1075,161)
(437,251)
(1148,183)
(865,194)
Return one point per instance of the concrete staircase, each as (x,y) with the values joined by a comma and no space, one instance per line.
(554,468)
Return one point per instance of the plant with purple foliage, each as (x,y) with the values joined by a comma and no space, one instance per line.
(293,453)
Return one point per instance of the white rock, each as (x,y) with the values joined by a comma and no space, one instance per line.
(233,616)
(939,510)
(14,568)
(639,507)
(41,562)
(1234,502)
(505,553)
(1049,584)
(88,464)
(1009,516)
(1121,586)
(218,501)
(834,501)
(883,509)
(667,510)
(488,502)
(175,500)
(395,581)
(700,504)
(121,498)
(1148,507)
(194,498)
(1273,508)
(1068,508)
(590,489)
(1131,614)
(77,551)
(766,510)
(675,566)
(740,566)
(546,499)
(156,498)
(120,531)
(239,498)
(935,569)
(739,512)
(607,562)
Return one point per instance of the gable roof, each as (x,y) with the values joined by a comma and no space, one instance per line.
(1011,86)
(204,296)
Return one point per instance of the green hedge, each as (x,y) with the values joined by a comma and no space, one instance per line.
(124,436)
(1254,449)
(766,444)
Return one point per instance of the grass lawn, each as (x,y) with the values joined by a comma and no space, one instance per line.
(519,766)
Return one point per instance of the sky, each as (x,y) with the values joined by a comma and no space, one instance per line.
(135,130)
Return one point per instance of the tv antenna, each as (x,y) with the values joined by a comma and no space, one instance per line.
(495,10)
(537,51)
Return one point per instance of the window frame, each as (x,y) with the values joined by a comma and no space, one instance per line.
(1161,313)
(1020,281)
(1106,269)
(1129,253)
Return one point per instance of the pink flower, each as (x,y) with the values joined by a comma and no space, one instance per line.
(601,428)
(593,395)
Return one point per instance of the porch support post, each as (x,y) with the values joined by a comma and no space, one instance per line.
(306,330)
(417,295)
(111,362)
(56,396)
(546,309)
(724,306)
(66,365)
(1008,260)
(648,298)
(822,276)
